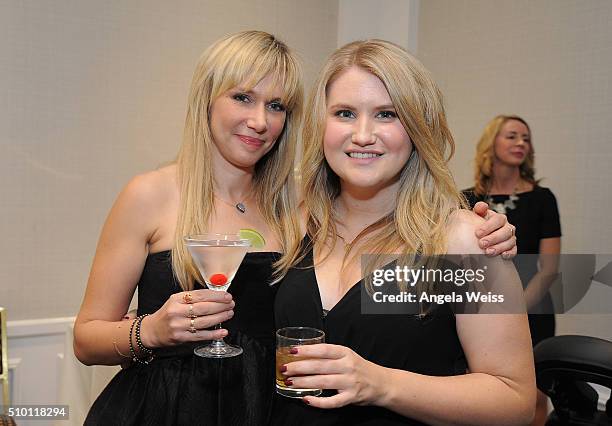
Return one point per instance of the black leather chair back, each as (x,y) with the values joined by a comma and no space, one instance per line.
(565,367)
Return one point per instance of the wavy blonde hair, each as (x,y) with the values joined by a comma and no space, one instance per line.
(427,195)
(242,59)
(485,155)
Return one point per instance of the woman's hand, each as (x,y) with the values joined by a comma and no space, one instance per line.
(357,380)
(496,235)
(186,316)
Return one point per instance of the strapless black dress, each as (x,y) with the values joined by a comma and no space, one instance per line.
(179,388)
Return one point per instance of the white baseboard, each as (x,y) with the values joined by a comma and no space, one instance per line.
(35,349)
(38,327)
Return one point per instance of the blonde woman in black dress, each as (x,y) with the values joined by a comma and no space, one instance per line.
(234,170)
(376,180)
(505,179)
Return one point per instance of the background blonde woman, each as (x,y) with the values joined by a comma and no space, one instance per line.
(376,180)
(243,114)
(505,178)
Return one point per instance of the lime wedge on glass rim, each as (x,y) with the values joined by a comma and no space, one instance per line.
(257,240)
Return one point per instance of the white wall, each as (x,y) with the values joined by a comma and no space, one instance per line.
(393,20)
(548,61)
(92,93)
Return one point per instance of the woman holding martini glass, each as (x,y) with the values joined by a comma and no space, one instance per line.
(233,171)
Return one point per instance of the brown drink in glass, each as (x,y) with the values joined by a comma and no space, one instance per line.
(286,338)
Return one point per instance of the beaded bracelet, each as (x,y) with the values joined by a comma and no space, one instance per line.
(146,350)
(142,347)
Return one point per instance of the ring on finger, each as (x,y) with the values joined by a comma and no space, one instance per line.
(512,231)
(187,298)
(191,314)
(192,328)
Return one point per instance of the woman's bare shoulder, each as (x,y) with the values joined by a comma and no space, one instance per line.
(154,189)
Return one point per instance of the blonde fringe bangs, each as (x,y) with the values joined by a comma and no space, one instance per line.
(241,59)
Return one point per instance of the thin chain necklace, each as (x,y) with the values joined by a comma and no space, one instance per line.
(348,244)
(240,206)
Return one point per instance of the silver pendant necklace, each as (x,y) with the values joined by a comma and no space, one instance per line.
(240,206)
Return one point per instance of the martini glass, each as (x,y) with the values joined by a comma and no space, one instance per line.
(217,257)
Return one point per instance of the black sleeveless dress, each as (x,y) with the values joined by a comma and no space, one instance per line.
(179,388)
(536,216)
(428,345)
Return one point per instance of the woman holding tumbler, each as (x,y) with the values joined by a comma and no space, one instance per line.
(376,180)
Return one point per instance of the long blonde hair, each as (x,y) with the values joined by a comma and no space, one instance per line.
(240,59)
(485,155)
(427,194)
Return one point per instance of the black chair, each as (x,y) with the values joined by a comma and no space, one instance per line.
(565,365)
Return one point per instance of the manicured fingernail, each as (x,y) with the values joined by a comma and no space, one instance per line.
(490,251)
(484,243)
(228,296)
(506,255)
(305,401)
(283,368)
(480,233)
(293,351)
(223,333)
(288,382)
(230,314)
